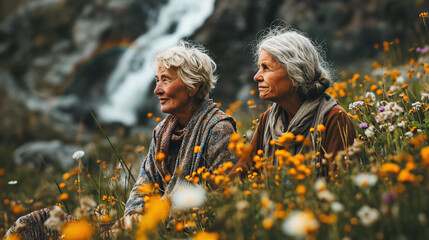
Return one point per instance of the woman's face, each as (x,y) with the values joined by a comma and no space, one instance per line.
(272,79)
(173,95)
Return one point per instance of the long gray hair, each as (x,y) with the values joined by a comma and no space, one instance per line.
(301,59)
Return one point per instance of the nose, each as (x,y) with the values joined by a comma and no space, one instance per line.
(158,89)
(258,77)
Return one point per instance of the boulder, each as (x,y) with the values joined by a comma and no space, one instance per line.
(53,152)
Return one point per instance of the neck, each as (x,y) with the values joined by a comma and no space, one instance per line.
(291,106)
(184,117)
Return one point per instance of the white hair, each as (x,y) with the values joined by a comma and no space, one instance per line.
(300,58)
(192,65)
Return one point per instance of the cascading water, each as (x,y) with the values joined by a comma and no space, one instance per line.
(129,83)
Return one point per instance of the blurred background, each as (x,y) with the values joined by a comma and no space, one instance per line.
(61,60)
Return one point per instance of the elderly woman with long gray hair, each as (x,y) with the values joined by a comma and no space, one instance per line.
(293,75)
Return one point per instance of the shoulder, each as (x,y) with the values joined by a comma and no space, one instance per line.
(339,117)
(221,130)
(224,125)
(218,118)
(263,119)
(337,112)
(265,115)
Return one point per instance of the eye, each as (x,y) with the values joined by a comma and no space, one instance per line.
(264,66)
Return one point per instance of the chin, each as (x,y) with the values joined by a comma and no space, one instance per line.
(263,97)
(165,110)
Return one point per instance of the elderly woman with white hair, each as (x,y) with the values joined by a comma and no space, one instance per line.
(184,78)
(293,75)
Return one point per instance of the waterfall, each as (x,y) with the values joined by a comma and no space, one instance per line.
(128,85)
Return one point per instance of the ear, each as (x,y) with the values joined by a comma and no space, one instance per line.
(193,92)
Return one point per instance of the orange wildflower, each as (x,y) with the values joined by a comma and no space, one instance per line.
(267,223)
(287,137)
(66,176)
(301,189)
(206,236)
(146,189)
(321,128)
(77,230)
(389,168)
(197,149)
(424,153)
(160,156)
(179,226)
(63,196)
(17,209)
(406,176)
(235,137)
(12,237)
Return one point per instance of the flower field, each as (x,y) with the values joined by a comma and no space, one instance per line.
(379,189)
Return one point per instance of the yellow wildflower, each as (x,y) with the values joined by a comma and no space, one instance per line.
(12,237)
(206,236)
(146,189)
(77,230)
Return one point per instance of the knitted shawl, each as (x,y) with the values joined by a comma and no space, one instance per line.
(198,132)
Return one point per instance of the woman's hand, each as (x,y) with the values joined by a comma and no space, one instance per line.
(126,222)
(131,220)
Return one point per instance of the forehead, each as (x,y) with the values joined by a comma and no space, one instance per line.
(265,57)
(163,71)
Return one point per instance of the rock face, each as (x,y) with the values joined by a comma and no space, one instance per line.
(66,49)
(347,30)
(52,48)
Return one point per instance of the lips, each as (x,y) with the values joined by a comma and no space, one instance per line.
(163,100)
(261,88)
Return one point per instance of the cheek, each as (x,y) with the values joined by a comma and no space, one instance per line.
(273,85)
